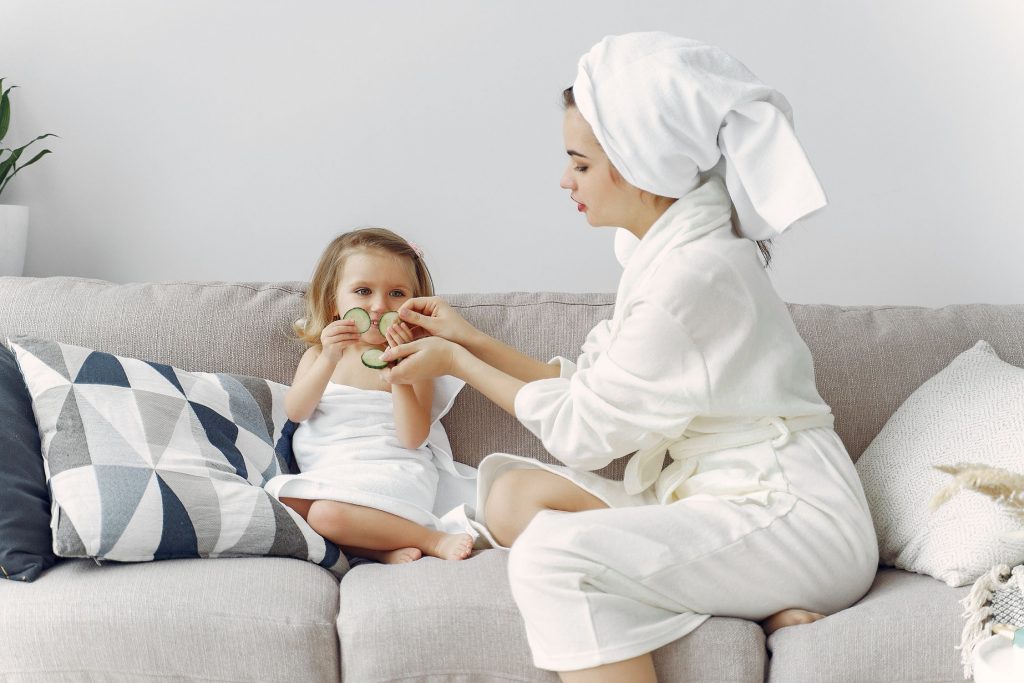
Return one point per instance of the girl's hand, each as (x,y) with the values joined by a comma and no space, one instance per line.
(422,359)
(436,318)
(399,333)
(336,336)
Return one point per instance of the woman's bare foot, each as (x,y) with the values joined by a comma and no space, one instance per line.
(789,617)
(452,546)
(399,556)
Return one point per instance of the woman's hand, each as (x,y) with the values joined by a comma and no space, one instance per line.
(336,336)
(422,359)
(436,318)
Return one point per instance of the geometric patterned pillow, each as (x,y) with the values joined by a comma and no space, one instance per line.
(148,462)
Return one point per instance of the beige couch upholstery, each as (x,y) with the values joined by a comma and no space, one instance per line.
(274,619)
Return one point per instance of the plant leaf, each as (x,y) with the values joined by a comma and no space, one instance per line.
(5,166)
(32,161)
(14,172)
(5,110)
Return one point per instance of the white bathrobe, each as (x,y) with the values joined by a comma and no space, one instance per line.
(699,344)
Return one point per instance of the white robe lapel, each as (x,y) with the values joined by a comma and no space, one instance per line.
(704,209)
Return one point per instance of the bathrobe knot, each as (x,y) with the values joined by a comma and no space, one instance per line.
(707,435)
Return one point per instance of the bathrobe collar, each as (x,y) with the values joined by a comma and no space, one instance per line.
(694,215)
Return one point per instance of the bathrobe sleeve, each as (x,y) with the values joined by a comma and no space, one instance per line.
(629,390)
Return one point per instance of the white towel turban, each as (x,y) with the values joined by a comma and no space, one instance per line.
(666,109)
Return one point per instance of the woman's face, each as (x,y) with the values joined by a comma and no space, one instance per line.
(594,185)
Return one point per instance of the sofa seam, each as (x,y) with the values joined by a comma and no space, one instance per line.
(489,674)
(103,672)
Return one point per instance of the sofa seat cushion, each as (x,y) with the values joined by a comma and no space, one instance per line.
(905,629)
(235,619)
(437,620)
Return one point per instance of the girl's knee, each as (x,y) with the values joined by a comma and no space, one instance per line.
(324,515)
(300,505)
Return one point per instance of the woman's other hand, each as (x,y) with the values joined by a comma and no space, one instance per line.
(422,359)
(436,318)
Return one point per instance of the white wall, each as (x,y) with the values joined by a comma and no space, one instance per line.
(230,139)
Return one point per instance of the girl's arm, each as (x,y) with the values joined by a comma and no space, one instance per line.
(315,369)
(439,319)
(411,401)
(412,412)
(311,378)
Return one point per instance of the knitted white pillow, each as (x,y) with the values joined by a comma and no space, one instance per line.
(970,412)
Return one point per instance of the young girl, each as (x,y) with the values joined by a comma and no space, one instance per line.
(368,452)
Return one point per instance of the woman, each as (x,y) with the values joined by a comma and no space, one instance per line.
(760,509)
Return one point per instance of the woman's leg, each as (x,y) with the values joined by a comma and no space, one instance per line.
(377,534)
(519,494)
(637,670)
(789,617)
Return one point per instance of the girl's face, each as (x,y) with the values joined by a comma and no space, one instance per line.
(376,281)
(606,199)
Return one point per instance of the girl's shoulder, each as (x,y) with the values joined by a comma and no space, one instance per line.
(308,358)
(312,352)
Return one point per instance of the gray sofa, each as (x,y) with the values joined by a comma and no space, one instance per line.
(276,619)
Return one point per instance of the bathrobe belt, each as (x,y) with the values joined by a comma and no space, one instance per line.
(644,469)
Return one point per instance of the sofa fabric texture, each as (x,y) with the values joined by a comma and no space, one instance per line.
(292,619)
(227,619)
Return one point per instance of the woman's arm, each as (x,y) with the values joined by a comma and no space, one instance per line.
(437,318)
(433,356)
(510,361)
(497,385)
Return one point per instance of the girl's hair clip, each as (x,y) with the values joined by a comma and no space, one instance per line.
(416,248)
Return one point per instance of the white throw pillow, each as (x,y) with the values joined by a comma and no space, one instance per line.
(970,412)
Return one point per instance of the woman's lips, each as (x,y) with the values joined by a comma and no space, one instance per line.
(581,207)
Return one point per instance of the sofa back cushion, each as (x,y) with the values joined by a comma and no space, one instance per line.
(868,359)
(237,327)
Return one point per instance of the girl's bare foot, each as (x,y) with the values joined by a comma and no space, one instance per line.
(789,617)
(400,556)
(452,546)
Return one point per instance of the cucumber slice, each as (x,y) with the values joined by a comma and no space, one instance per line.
(386,321)
(371,359)
(361,317)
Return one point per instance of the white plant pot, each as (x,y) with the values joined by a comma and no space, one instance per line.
(13,238)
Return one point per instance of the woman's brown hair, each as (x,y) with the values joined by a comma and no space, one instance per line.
(321,304)
(569,100)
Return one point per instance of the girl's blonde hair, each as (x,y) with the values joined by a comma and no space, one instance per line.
(321,304)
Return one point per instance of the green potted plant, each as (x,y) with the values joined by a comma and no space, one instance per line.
(13,218)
